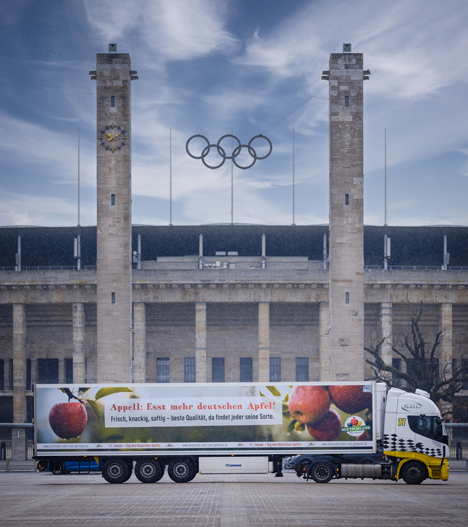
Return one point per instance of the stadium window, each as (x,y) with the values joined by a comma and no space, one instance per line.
(112,101)
(2,374)
(69,371)
(217,369)
(246,369)
(302,369)
(28,374)
(112,199)
(275,369)
(347,298)
(47,371)
(10,374)
(346,100)
(190,370)
(414,367)
(397,380)
(465,383)
(162,370)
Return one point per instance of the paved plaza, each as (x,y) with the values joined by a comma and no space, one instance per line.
(30,499)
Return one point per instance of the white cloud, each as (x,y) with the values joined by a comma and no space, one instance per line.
(180,30)
(27,209)
(32,145)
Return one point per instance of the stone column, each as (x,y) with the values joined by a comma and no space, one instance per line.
(346,276)
(78,343)
(61,371)
(139,342)
(114,218)
(445,362)
(33,371)
(200,341)
(386,326)
(324,342)
(264,341)
(445,358)
(18,446)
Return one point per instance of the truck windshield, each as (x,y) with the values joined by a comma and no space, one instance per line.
(431,427)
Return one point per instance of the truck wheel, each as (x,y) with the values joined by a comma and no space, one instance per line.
(149,470)
(41,466)
(116,471)
(322,472)
(58,469)
(413,473)
(181,470)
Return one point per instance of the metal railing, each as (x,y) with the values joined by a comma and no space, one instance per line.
(48,268)
(458,440)
(416,267)
(7,439)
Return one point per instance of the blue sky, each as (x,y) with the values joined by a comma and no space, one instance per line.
(210,66)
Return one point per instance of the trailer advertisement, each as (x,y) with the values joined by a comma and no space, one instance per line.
(182,417)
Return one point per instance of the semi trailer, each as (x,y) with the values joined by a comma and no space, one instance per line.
(326,430)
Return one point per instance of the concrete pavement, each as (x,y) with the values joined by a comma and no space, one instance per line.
(37,499)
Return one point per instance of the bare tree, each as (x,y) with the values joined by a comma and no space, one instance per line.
(421,358)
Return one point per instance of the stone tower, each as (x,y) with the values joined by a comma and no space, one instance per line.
(114,216)
(346,287)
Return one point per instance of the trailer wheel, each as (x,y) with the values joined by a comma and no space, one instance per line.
(181,470)
(413,473)
(149,470)
(116,471)
(322,472)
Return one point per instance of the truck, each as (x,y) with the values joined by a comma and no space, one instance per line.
(325,430)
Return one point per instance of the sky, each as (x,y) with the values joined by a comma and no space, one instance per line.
(247,67)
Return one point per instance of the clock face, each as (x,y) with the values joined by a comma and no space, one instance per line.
(113,137)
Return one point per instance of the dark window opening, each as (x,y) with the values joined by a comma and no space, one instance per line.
(112,199)
(423,369)
(347,298)
(28,374)
(346,199)
(2,374)
(275,369)
(397,381)
(464,363)
(47,371)
(302,369)
(346,100)
(246,369)
(6,416)
(162,370)
(69,371)
(190,370)
(113,298)
(10,374)
(29,416)
(112,101)
(217,369)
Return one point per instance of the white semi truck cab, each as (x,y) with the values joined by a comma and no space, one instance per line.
(411,442)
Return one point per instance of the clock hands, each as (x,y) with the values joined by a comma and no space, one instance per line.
(110,136)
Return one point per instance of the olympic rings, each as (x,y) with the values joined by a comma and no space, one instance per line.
(235,153)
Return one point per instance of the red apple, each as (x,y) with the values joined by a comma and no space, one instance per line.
(350,399)
(328,429)
(309,404)
(68,420)
(354,421)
